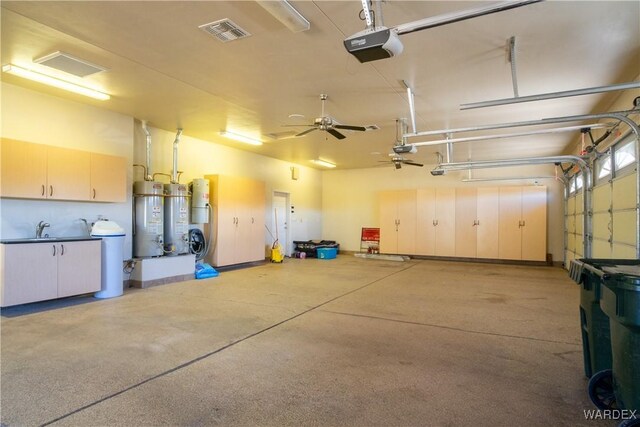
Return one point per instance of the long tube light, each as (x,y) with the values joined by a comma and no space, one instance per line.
(286,14)
(240,138)
(324,163)
(52,81)
(551,95)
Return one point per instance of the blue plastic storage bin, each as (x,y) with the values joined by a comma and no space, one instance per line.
(327,253)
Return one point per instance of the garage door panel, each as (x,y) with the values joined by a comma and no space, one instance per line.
(571,205)
(579,224)
(624,192)
(579,203)
(579,246)
(571,242)
(600,249)
(624,227)
(601,225)
(571,224)
(624,251)
(568,256)
(601,198)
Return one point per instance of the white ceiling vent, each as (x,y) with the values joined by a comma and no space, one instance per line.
(225,30)
(69,64)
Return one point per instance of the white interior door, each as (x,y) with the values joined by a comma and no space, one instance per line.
(280,221)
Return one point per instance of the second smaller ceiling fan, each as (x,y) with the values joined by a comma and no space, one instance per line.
(398,161)
(330,125)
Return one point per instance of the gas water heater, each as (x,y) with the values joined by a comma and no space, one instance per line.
(149,219)
(176,219)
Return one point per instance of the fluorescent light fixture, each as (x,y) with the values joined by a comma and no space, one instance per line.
(240,138)
(287,14)
(52,81)
(324,163)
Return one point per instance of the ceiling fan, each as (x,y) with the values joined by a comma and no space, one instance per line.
(398,161)
(328,124)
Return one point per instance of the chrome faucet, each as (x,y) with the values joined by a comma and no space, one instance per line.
(40,227)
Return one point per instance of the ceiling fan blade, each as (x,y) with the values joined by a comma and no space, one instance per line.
(296,126)
(306,131)
(409,162)
(336,133)
(350,127)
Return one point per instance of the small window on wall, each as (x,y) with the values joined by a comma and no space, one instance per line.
(572,185)
(625,155)
(603,168)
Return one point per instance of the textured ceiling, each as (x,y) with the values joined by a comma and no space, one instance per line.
(162,68)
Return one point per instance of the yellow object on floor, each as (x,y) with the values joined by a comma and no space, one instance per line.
(276,253)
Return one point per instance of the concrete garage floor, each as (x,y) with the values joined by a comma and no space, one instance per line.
(344,342)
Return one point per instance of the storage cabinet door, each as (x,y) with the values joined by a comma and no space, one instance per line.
(256,250)
(406,201)
(79,267)
(534,223)
(226,201)
(23,171)
(425,228)
(509,234)
(487,226)
(388,223)
(68,174)
(466,222)
(446,221)
(108,178)
(29,274)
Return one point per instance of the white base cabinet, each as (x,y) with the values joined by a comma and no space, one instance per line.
(31,272)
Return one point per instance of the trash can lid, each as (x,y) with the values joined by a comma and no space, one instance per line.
(105,228)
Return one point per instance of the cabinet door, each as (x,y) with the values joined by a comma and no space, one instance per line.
(425,228)
(466,222)
(487,226)
(68,174)
(223,192)
(256,195)
(509,233)
(108,178)
(79,267)
(446,221)
(29,273)
(388,223)
(23,171)
(406,202)
(534,223)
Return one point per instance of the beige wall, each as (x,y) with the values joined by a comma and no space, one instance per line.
(44,119)
(350,198)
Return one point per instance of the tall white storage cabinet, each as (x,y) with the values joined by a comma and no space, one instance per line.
(238,220)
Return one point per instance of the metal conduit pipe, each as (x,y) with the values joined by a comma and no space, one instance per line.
(576,160)
(149,176)
(174,173)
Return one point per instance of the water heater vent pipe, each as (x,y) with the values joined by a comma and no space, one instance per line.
(149,176)
(174,173)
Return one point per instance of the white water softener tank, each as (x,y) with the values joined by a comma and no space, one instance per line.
(199,201)
(149,219)
(112,236)
(176,219)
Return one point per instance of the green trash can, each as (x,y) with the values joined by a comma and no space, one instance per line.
(621,302)
(594,324)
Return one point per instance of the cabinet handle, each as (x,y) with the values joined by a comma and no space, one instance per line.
(523,223)
(435,222)
(61,249)
(252,220)
(42,189)
(54,250)
(94,193)
(478,222)
(50,190)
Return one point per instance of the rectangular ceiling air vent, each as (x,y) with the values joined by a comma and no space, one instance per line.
(69,64)
(225,30)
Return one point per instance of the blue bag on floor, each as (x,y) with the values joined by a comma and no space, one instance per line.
(205,271)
